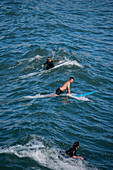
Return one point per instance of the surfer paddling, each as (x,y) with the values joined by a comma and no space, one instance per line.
(49,63)
(65,87)
(72,151)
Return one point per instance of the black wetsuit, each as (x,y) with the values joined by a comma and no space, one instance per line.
(71,152)
(58,91)
(49,65)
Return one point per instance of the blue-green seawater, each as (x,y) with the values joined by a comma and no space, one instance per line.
(34,129)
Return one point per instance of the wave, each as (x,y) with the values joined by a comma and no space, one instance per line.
(43,155)
(65,63)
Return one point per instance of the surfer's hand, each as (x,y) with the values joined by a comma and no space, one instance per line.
(42,65)
(60,61)
(78,157)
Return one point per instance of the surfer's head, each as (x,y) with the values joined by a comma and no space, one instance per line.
(49,59)
(71,79)
(76,145)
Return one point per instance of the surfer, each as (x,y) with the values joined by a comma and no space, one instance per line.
(65,87)
(72,151)
(49,63)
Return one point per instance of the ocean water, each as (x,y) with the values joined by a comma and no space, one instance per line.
(34,128)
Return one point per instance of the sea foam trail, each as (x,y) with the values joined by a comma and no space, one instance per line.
(35,96)
(39,96)
(28,75)
(47,157)
(65,63)
(69,62)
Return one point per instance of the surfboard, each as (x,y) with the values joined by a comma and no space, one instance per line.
(81,95)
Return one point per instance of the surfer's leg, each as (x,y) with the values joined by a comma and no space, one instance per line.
(54,95)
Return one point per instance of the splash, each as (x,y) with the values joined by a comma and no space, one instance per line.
(43,155)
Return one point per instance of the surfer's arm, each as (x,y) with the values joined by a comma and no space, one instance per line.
(44,64)
(60,61)
(69,89)
(78,157)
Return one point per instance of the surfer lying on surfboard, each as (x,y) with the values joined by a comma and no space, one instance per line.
(49,64)
(71,153)
(65,87)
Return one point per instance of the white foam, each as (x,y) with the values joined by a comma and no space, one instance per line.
(34,97)
(29,75)
(36,57)
(47,157)
(67,63)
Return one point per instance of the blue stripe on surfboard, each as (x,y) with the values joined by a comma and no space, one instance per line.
(81,95)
